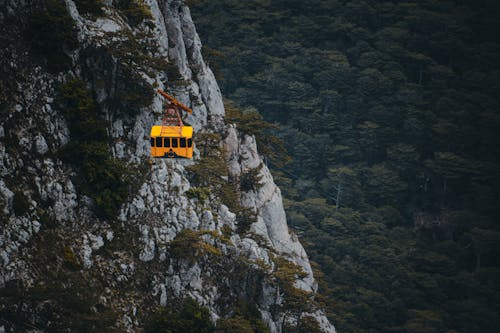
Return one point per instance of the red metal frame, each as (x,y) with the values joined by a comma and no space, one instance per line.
(171,116)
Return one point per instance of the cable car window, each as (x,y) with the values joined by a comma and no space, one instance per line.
(175,143)
(190,143)
(183,142)
(166,142)
(152,142)
(158,142)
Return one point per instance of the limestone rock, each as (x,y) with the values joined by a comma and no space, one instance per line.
(136,248)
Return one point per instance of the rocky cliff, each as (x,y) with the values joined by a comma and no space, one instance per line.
(93,232)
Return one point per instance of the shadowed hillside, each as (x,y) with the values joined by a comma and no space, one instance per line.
(390,113)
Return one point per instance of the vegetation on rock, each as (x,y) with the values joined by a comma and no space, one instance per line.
(250,122)
(188,317)
(93,7)
(136,11)
(190,245)
(50,31)
(20,203)
(102,177)
(211,172)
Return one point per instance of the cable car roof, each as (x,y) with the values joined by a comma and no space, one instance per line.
(172,131)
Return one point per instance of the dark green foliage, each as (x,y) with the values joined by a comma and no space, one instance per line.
(188,317)
(248,121)
(390,111)
(308,324)
(200,193)
(251,122)
(236,324)
(115,68)
(135,11)
(50,305)
(172,71)
(245,315)
(107,181)
(250,180)
(136,51)
(211,170)
(70,260)
(245,218)
(81,111)
(132,91)
(102,177)
(296,300)
(20,203)
(190,245)
(50,31)
(93,7)
(211,57)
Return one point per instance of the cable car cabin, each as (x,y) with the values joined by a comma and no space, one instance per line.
(172,141)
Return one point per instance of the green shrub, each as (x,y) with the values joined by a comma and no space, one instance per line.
(245,316)
(308,324)
(103,178)
(250,122)
(285,275)
(136,50)
(70,259)
(135,11)
(132,91)
(250,180)
(47,221)
(236,324)
(108,182)
(93,7)
(81,112)
(212,57)
(188,317)
(200,193)
(172,71)
(245,218)
(49,31)
(226,231)
(127,54)
(189,244)
(20,203)
(211,171)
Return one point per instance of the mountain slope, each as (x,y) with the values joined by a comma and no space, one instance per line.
(390,113)
(94,236)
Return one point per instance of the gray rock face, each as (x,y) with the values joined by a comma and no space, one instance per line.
(267,202)
(140,244)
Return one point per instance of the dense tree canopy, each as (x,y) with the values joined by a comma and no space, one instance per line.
(390,112)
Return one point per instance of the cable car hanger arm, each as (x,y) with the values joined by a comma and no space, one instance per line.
(174,101)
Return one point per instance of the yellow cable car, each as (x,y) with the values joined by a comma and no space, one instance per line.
(172,139)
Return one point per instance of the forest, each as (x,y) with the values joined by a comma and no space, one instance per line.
(389,115)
